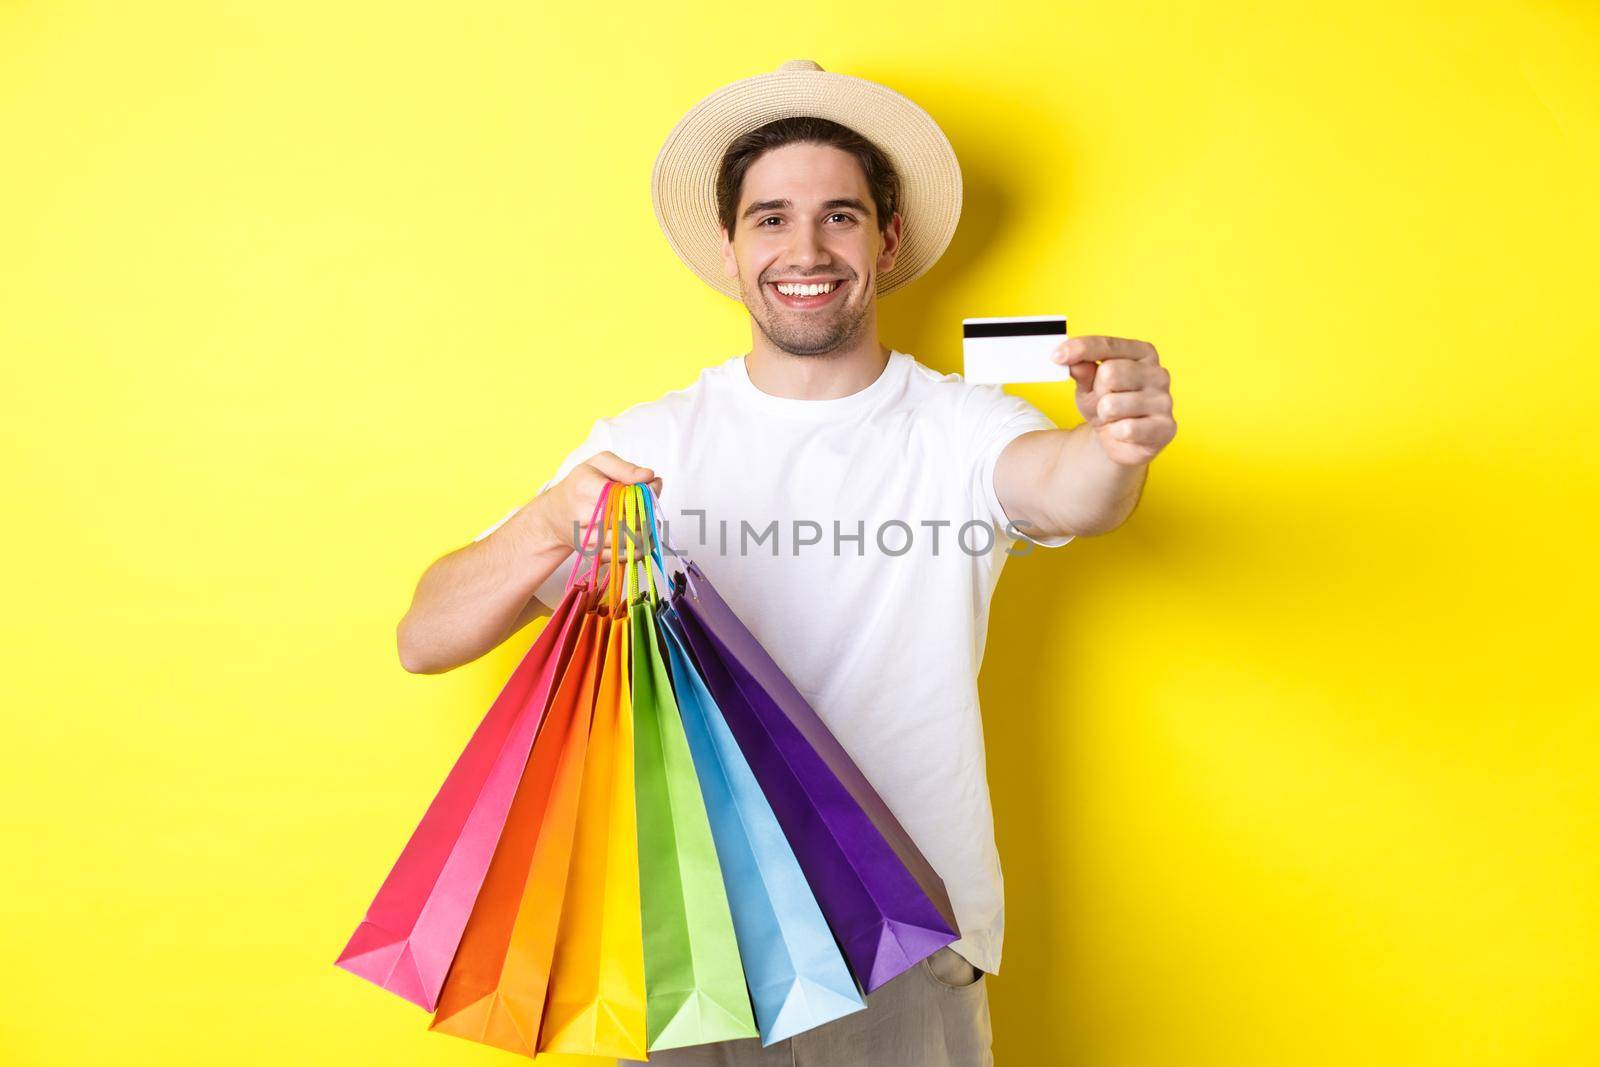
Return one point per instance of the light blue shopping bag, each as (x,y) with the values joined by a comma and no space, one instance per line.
(797,977)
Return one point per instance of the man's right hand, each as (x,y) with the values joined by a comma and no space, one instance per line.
(474,598)
(568,505)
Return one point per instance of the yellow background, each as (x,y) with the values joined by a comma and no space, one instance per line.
(1296,768)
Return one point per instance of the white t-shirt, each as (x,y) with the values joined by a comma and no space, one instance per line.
(885,637)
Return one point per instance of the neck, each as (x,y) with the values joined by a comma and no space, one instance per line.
(828,376)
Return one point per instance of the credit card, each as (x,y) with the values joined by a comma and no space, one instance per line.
(995,351)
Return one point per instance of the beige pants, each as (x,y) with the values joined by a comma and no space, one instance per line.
(934,1015)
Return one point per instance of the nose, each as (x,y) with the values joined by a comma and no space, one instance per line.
(807,252)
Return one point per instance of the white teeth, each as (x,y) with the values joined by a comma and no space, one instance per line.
(805,290)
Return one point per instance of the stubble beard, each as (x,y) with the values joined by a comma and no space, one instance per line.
(794,333)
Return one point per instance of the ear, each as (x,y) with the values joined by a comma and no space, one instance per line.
(730,263)
(891,243)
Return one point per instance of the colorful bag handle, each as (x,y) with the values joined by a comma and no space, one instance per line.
(631,515)
(622,576)
(642,518)
(631,506)
(648,495)
(613,569)
(599,581)
(646,516)
(659,539)
(577,565)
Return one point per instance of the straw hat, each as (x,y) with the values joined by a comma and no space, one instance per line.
(684,184)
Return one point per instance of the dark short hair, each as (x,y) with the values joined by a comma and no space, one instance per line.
(882,179)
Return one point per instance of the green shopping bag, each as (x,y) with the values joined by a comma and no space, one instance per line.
(695,988)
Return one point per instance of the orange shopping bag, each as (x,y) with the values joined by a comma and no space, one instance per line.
(495,990)
(596,1000)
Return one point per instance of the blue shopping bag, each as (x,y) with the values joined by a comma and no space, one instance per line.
(797,977)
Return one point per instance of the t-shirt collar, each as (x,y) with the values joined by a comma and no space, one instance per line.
(833,408)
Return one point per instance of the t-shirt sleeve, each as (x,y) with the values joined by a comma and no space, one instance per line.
(600,439)
(995,419)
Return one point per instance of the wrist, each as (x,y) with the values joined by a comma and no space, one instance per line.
(539,531)
(1103,457)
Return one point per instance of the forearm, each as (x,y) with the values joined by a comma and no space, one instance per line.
(470,601)
(1061,482)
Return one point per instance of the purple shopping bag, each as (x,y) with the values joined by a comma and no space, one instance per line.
(884,902)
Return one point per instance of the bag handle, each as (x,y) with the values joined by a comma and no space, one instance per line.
(657,535)
(639,515)
(614,568)
(633,507)
(622,577)
(630,520)
(577,565)
(646,515)
(659,540)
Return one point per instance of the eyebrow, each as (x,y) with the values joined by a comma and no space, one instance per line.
(782,205)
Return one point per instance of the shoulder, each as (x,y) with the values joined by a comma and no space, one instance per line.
(922,378)
(662,418)
(961,403)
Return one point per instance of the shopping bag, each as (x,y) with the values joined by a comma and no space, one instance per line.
(414,924)
(495,991)
(886,905)
(694,982)
(596,1000)
(796,976)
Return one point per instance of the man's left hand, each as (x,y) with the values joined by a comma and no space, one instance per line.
(1124,393)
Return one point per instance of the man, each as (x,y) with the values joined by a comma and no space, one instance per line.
(845,500)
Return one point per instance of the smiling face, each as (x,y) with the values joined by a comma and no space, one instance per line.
(806,216)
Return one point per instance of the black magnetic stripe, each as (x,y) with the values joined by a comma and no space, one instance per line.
(1013,329)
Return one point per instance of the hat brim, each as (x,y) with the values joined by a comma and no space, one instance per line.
(683,183)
